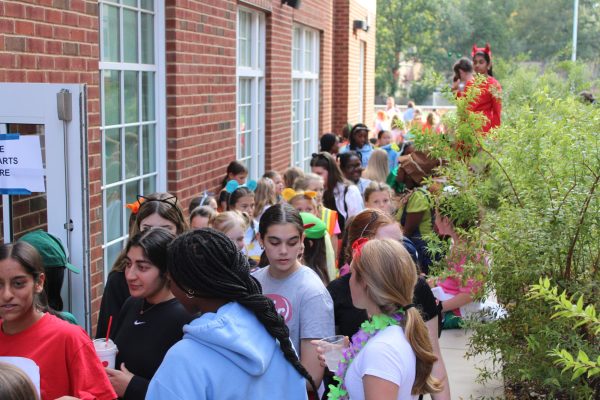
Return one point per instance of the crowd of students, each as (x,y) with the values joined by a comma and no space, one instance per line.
(231,300)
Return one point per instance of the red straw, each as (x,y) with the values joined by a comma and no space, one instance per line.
(108,330)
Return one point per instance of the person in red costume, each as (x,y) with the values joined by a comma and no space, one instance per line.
(489,102)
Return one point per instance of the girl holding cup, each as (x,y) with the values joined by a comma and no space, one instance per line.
(391,357)
(29,329)
(151,320)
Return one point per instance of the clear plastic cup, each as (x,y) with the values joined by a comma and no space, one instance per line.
(106,351)
(333,347)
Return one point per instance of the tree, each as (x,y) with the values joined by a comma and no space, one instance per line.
(401,27)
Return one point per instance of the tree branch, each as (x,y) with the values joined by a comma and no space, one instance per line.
(586,204)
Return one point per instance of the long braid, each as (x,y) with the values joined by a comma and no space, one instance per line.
(208,263)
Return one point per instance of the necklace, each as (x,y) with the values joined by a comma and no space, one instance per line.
(367,330)
(142,311)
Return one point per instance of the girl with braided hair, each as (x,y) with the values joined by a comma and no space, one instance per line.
(238,347)
(298,293)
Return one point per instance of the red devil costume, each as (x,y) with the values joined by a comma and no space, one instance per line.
(489,102)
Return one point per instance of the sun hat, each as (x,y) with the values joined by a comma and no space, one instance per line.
(50,248)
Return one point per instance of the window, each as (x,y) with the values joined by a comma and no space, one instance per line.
(305,95)
(250,130)
(132,110)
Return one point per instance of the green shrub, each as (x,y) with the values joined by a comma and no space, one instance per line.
(534,183)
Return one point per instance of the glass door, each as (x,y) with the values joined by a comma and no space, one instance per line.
(31,109)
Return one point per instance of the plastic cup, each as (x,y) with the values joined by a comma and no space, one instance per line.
(106,351)
(333,347)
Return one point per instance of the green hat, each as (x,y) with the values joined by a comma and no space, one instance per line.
(314,227)
(50,248)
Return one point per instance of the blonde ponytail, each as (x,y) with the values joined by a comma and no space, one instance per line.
(418,337)
(390,276)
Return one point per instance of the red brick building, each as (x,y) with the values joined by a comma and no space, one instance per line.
(163,96)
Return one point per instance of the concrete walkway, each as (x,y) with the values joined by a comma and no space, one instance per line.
(462,372)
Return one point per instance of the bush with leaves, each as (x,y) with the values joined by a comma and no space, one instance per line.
(534,185)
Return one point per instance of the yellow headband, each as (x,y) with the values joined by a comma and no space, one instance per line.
(289,193)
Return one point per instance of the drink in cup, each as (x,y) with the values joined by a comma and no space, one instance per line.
(106,351)
(332,350)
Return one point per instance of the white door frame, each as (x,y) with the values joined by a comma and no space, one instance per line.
(36,103)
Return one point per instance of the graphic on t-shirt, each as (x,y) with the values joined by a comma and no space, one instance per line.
(282,305)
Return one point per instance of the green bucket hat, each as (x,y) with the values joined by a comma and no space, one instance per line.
(314,227)
(50,248)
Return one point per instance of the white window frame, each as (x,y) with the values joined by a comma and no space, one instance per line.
(309,90)
(361,81)
(256,74)
(159,114)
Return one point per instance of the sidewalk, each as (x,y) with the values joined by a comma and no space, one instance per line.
(462,373)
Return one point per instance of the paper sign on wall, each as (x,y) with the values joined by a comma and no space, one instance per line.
(21,168)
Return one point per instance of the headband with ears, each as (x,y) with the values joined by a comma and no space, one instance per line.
(233,185)
(289,193)
(487,50)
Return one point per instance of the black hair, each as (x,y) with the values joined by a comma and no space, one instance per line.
(28,257)
(344,158)
(234,168)
(380,134)
(357,128)
(315,257)
(487,59)
(207,263)
(334,176)
(196,202)
(327,141)
(202,211)
(154,243)
(280,214)
(237,194)
(464,64)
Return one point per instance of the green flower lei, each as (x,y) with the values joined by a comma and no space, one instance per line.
(367,330)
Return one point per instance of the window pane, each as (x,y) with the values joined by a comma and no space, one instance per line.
(132,189)
(110,33)
(130,36)
(245,39)
(132,3)
(150,185)
(112,252)
(131,97)
(296,44)
(112,155)
(149,149)
(148,96)
(112,97)
(114,213)
(147,38)
(147,5)
(132,155)
(308,55)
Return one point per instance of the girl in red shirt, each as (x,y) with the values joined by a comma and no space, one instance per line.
(63,352)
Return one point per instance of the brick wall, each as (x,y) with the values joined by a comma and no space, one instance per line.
(201,100)
(201,86)
(347,46)
(56,41)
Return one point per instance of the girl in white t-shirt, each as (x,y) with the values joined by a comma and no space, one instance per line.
(391,357)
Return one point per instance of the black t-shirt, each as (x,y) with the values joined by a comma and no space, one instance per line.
(115,293)
(143,339)
(349,318)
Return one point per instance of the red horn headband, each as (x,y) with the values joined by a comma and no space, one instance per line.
(487,50)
